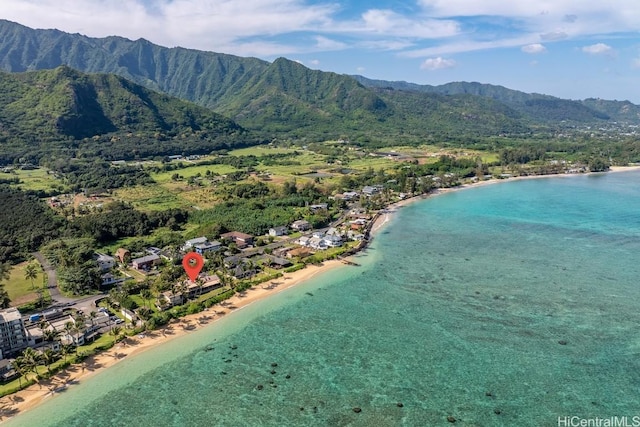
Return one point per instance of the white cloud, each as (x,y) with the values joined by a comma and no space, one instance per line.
(438,63)
(533,48)
(391,23)
(314,62)
(635,63)
(598,49)
(360,69)
(554,36)
(218,25)
(325,44)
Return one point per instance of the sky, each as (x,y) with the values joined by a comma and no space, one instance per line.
(572,49)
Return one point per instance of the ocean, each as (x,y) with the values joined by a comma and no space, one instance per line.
(507,304)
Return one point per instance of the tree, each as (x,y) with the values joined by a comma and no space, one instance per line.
(48,357)
(31,273)
(5,301)
(50,335)
(30,360)
(146,296)
(116,331)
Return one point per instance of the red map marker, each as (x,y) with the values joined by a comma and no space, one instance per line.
(192,263)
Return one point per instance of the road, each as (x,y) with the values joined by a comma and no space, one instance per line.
(57,299)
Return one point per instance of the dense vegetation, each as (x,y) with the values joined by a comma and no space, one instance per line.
(63,113)
(25,224)
(284,99)
(255,207)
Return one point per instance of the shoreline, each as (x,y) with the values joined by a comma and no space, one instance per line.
(39,392)
(387,213)
(32,396)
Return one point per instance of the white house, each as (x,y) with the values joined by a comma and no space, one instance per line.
(105,262)
(317,243)
(189,244)
(301,225)
(278,231)
(332,241)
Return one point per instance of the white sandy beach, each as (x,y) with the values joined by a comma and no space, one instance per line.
(39,392)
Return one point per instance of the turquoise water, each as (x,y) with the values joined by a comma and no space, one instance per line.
(510,304)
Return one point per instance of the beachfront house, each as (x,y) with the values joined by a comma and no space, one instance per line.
(371,190)
(333,241)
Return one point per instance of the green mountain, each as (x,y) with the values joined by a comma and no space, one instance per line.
(64,110)
(539,108)
(287,100)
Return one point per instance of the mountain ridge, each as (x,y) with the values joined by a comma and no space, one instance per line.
(105,115)
(285,99)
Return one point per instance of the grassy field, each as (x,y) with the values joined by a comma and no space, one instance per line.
(19,288)
(192,170)
(261,150)
(37,179)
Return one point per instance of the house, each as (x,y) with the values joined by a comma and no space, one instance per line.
(370,190)
(299,253)
(278,231)
(123,255)
(304,241)
(105,262)
(318,207)
(347,196)
(301,225)
(317,243)
(201,248)
(277,262)
(233,260)
(333,241)
(109,279)
(7,373)
(190,244)
(242,240)
(146,262)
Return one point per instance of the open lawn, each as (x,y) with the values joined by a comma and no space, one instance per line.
(192,170)
(261,150)
(36,179)
(150,197)
(20,289)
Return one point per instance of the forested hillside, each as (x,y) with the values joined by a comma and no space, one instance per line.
(284,99)
(63,112)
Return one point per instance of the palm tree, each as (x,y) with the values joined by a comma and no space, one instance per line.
(69,328)
(146,295)
(19,367)
(65,350)
(48,357)
(92,317)
(31,359)
(116,331)
(50,335)
(31,273)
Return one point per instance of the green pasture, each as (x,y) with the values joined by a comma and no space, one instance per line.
(190,170)
(20,289)
(36,179)
(149,197)
(261,150)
